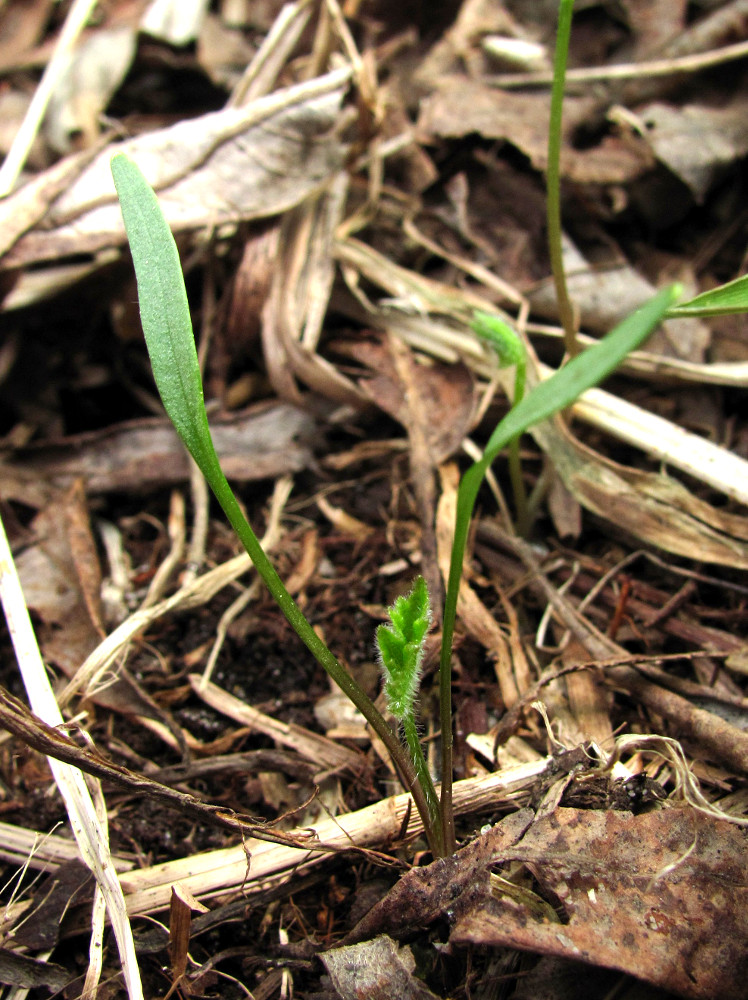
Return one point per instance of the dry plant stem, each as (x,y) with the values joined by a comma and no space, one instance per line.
(90,834)
(13,164)
(725,743)
(16,718)
(553,196)
(629,71)
(378,824)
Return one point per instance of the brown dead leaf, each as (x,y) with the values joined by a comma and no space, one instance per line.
(70,882)
(84,553)
(655,22)
(444,395)
(652,507)
(261,442)
(424,894)
(461,106)
(294,315)
(696,142)
(436,405)
(51,588)
(661,896)
(231,165)
(375,970)
(94,72)
(21,28)
(49,571)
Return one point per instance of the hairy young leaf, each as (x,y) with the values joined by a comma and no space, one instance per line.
(401,648)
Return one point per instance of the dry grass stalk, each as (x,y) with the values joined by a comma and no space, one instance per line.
(377,825)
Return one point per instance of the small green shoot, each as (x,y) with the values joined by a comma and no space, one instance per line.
(509,351)
(401,656)
(547,398)
(168,334)
(170,341)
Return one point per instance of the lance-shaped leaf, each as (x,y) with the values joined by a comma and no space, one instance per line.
(726,300)
(164,310)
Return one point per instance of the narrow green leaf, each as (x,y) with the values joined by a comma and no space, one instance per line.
(547,398)
(505,340)
(164,310)
(581,373)
(168,332)
(726,300)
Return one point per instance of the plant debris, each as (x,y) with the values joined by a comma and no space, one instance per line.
(348,184)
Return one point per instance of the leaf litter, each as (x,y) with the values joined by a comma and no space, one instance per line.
(395,207)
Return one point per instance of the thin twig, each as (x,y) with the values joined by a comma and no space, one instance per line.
(14,161)
(627,71)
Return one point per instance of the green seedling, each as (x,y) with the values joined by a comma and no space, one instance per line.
(510,351)
(554,394)
(168,333)
(170,341)
(401,657)
(167,328)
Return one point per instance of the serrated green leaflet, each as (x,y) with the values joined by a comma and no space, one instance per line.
(401,648)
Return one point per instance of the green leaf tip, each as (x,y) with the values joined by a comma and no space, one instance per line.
(726,300)
(401,648)
(164,310)
(505,341)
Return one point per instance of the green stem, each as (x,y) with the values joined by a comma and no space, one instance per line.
(212,471)
(466,496)
(515,465)
(553,196)
(424,779)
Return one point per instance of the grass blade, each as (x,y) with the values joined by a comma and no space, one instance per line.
(726,300)
(554,394)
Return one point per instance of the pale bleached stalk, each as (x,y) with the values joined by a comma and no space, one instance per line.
(75,22)
(149,889)
(91,838)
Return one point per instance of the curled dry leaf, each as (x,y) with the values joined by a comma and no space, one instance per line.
(231,165)
(378,970)
(698,143)
(262,442)
(661,896)
(460,107)
(652,507)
